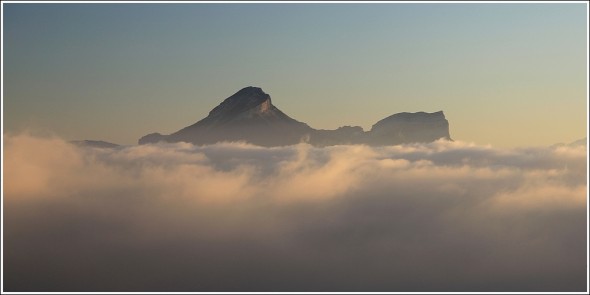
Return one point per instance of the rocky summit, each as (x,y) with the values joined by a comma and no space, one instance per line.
(249,115)
(410,127)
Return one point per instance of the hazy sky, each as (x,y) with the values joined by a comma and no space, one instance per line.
(504,74)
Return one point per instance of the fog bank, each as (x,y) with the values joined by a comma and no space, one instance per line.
(444,216)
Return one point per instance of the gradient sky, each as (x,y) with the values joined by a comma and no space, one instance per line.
(504,74)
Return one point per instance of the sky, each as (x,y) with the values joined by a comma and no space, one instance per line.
(504,74)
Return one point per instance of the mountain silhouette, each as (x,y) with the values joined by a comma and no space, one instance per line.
(249,115)
(95,144)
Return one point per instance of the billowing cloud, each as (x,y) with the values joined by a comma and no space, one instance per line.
(443,216)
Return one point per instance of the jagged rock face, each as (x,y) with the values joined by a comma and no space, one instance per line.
(250,116)
(410,127)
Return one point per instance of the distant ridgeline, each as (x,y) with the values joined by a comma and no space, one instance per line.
(250,116)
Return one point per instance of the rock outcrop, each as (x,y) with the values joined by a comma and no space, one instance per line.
(409,127)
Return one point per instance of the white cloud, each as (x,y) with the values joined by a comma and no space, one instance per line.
(444,216)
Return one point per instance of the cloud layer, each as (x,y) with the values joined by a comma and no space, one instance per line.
(444,216)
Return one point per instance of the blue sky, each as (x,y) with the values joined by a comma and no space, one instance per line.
(504,74)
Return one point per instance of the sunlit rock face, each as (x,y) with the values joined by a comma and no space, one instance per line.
(249,115)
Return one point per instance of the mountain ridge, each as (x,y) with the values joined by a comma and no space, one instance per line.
(249,115)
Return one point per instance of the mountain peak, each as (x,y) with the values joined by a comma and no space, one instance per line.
(244,100)
(414,117)
(251,90)
(411,127)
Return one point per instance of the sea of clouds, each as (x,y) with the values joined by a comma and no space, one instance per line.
(442,216)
